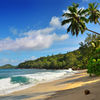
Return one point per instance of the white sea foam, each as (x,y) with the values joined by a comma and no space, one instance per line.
(7,86)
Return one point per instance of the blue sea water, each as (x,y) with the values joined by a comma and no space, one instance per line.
(17,79)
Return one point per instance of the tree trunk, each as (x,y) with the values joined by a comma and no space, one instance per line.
(86,27)
(92,31)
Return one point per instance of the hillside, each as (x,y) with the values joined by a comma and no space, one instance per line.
(7,66)
(74,60)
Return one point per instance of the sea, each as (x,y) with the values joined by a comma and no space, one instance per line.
(12,80)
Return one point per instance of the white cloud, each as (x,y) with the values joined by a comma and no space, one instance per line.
(66,11)
(13,30)
(55,22)
(43,31)
(62,37)
(33,40)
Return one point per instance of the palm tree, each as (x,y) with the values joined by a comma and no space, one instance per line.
(93,13)
(78,19)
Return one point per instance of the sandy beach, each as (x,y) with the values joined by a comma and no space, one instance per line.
(62,89)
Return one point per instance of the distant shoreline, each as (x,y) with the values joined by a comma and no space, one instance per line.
(45,68)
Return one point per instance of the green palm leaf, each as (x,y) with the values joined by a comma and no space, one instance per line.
(66,21)
(79,17)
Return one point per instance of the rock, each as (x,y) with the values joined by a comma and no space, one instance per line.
(87,92)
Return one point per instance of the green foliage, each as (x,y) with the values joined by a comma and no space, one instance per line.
(72,60)
(93,43)
(7,66)
(74,17)
(94,63)
(78,18)
(94,66)
(94,13)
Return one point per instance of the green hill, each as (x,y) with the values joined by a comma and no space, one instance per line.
(7,66)
(74,60)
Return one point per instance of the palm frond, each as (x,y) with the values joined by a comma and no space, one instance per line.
(84,19)
(66,21)
(67,15)
(93,13)
(83,12)
(69,28)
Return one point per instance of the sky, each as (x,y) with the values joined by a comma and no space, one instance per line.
(30,29)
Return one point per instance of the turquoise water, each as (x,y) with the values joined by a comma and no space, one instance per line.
(17,79)
(17,75)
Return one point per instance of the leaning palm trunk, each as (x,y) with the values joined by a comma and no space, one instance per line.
(92,31)
(86,27)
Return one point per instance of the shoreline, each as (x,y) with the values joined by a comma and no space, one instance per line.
(49,89)
(24,87)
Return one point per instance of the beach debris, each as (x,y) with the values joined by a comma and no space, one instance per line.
(87,92)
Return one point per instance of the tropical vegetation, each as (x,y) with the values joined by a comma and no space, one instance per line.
(79,17)
(94,61)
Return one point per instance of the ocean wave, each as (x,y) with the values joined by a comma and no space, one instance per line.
(19,82)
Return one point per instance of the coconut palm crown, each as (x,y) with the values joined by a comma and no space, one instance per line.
(94,13)
(77,18)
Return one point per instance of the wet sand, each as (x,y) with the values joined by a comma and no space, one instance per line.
(62,89)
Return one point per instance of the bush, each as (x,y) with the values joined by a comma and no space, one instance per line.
(94,64)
